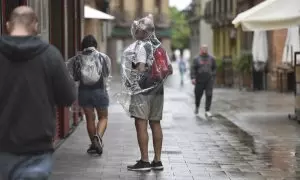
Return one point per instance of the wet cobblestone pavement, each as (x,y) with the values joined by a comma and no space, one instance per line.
(257,143)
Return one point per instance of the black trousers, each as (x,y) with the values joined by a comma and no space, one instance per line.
(200,87)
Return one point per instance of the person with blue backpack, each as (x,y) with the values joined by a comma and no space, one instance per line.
(182,69)
(203,71)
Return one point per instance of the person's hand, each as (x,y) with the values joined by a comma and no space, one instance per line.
(194,81)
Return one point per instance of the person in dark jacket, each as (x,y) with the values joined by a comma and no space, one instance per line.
(33,80)
(203,72)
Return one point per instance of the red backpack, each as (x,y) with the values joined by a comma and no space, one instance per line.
(160,66)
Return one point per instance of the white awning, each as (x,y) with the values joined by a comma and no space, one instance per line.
(91,13)
(270,15)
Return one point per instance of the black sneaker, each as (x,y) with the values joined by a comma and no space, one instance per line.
(140,166)
(97,141)
(157,165)
(91,149)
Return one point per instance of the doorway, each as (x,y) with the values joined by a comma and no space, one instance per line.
(291,81)
(258,80)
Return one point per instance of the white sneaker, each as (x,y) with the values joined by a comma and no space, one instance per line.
(208,114)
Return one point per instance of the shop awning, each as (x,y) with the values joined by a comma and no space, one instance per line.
(270,15)
(91,13)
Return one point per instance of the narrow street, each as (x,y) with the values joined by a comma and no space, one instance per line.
(250,138)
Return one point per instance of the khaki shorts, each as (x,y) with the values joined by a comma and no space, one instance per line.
(147,107)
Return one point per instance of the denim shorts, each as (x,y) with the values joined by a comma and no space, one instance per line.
(33,167)
(93,98)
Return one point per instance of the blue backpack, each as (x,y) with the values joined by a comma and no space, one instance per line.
(182,66)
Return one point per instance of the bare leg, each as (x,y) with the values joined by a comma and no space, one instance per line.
(90,122)
(102,121)
(157,139)
(143,138)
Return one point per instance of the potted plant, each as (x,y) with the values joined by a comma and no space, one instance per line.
(219,73)
(243,66)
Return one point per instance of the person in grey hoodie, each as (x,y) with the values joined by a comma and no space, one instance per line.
(203,72)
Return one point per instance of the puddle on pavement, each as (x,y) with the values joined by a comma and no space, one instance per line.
(271,154)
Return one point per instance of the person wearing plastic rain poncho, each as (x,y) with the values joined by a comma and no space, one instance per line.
(182,69)
(91,69)
(145,66)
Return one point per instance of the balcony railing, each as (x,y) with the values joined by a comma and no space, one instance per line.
(219,14)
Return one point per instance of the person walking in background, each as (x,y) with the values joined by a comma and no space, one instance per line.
(92,68)
(182,69)
(203,71)
(33,80)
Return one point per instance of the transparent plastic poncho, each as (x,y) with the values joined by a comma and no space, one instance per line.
(145,65)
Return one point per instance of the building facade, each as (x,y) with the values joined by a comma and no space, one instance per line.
(206,33)
(61,24)
(127,11)
(193,13)
(231,43)
(99,27)
(201,31)
(226,38)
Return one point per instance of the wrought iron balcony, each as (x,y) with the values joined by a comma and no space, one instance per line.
(220,17)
